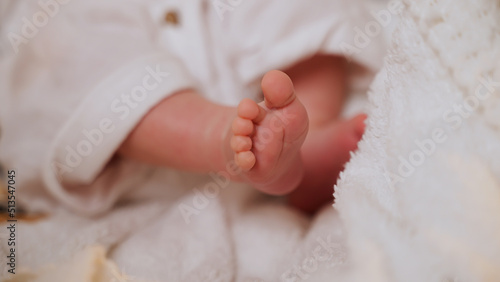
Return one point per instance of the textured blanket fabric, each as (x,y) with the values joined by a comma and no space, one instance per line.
(421,198)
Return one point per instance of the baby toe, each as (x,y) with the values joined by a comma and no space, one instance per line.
(278,89)
(241,143)
(242,126)
(248,109)
(245,160)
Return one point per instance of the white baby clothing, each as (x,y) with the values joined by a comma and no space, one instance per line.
(73,91)
(78,75)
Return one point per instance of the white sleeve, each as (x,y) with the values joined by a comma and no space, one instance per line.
(277,34)
(74,89)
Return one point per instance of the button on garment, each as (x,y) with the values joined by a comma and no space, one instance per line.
(172,18)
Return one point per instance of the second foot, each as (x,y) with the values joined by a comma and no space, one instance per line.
(325,153)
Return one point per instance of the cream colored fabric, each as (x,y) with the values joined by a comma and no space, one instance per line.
(90,265)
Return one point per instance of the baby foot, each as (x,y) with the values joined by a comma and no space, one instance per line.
(267,137)
(324,153)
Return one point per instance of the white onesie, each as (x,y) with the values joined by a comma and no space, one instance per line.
(76,81)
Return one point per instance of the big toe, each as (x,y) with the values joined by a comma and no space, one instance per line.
(358,126)
(278,89)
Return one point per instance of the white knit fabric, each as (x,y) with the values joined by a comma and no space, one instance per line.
(421,198)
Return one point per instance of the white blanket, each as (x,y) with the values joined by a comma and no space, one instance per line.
(419,201)
(421,198)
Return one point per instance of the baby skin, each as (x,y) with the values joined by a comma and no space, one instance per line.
(291,143)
